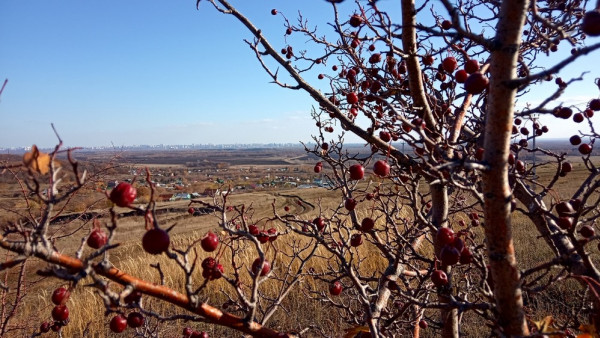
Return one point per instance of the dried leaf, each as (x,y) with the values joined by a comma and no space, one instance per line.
(588,331)
(37,161)
(354,331)
(545,325)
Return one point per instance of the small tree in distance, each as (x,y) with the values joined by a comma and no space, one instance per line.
(449,93)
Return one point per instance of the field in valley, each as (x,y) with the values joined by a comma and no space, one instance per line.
(262,180)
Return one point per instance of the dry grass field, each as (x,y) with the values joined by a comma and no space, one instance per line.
(87,311)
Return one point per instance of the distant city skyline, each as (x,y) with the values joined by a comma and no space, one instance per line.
(116,74)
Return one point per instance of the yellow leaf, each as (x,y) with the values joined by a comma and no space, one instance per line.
(545,325)
(37,161)
(354,331)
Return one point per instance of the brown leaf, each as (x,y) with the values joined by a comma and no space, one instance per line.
(37,161)
(354,331)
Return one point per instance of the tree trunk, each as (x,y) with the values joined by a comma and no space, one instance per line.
(496,188)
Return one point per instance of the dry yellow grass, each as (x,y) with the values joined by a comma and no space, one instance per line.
(87,310)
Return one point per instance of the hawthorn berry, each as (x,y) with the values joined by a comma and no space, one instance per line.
(335,289)
(356,240)
(97,239)
(367,224)
(135,319)
(209,242)
(60,313)
(439,278)
(449,64)
(381,168)
(446,24)
(156,241)
(256,267)
(123,194)
(118,323)
(590,24)
(472,66)
(461,76)
(357,172)
(60,296)
(356,20)
(476,83)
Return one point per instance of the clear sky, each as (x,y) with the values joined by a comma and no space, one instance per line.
(153,72)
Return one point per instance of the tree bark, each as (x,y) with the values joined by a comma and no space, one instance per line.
(496,188)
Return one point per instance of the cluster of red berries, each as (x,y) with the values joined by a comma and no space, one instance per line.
(263,236)
(188,332)
(453,248)
(119,322)
(60,312)
(211,269)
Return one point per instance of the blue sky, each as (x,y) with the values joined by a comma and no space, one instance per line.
(151,72)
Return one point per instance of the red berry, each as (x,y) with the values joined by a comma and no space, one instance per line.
(461,76)
(97,239)
(272,234)
(566,167)
(266,267)
(335,289)
(575,140)
(381,168)
(45,327)
(375,58)
(449,255)
(187,332)
(565,222)
(356,240)
(446,24)
(595,104)
(564,208)
(472,66)
(118,324)
(199,334)
(439,278)
(56,326)
(591,23)
(156,241)
(60,313)
(273,11)
(321,76)
(350,204)
(263,237)
(209,242)
(585,148)
(466,257)
(449,64)
(423,324)
(123,194)
(208,263)
(385,136)
(60,296)
(357,172)
(476,83)
(319,222)
(587,231)
(428,60)
(444,236)
(578,118)
(134,297)
(367,224)
(479,154)
(355,20)
(135,319)
(352,98)
(318,167)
